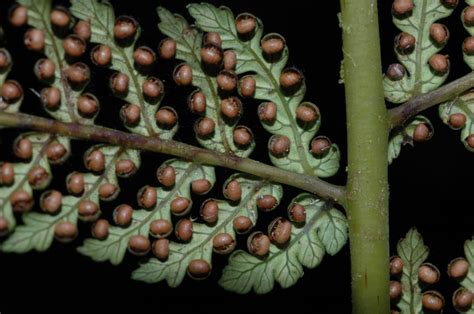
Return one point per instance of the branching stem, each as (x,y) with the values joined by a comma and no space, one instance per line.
(188,152)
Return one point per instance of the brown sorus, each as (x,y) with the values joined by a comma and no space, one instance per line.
(197,102)
(7,173)
(50,201)
(4,226)
(74,46)
(223,243)
(44,69)
(119,83)
(83,30)
(34,39)
(166,117)
(123,215)
(199,269)
(5,59)
(65,231)
(166,175)
(267,112)
(279,230)
(184,230)
(139,245)
(211,54)
(160,228)
(247,86)
(468,16)
(88,210)
(18,15)
(227,80)
(146,197)
(439,33)
(230,60)
(405,43)
(51,97)
(242,224)
(11,91)
(470,141)
(457,120)
(101,55)
(422,132)
(144,56)
(55,152)
(152,87)
(297,213)
(204,127)
(209,211)
(161,249)
(180,206)
(468,45)
(130,114)
(402,7)
(201,186)
(320,145)
(167,48)
(279,145)
(78,73)
(439,64)
(231,107)
(450,3)
(125,27)
(242,136)
(432,301)
(395,71)
(60,17)
(87,105)
(125,168)
(75,183)
(21,201)
(428,273)
(273,44)
(183,74)
(23,148)
(212,38)
(38,177)
(233,191)
(395,289)
(307,113)
(258,244)
(290,78)
(245,23)
(462,299)
(108,191)
(396,265)
(458,268)
(266,202)
(95,161)
(100,229)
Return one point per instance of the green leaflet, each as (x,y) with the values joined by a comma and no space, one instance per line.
(14,107)
(188,44)
(469,59)
(39,17)
(325,230)
(200,247)
(250,59)
(39,142)
(419,78)
(403,136)
(468,281)
(413,252)
(102,17)
(463,104)
(114,247)
(38,229)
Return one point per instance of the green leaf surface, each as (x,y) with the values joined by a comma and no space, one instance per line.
(102,17)
(325,230)
(188,47)
(413,252)
(403,136)
(39,17)
(250,60)
(181,254)
(463,104)
(113,248)
(37,232)
(419,78)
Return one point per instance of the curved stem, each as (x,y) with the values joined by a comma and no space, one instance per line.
(101,134)
(399,115)
(367,136)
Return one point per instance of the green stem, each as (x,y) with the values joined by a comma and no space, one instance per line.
(188,152)
(367,189)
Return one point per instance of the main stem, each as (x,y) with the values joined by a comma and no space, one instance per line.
(367,187)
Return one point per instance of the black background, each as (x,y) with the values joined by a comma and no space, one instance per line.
(430,186)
